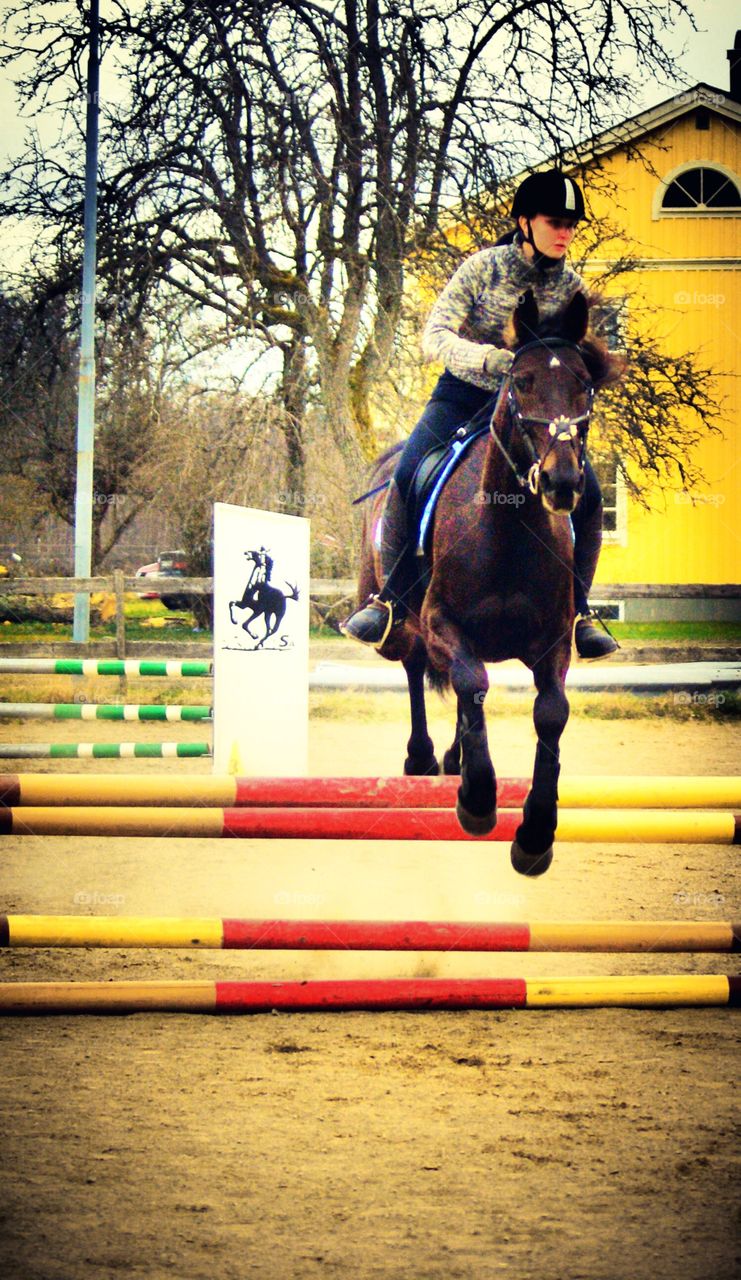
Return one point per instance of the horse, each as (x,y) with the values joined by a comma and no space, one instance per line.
(263,601)
(499,579)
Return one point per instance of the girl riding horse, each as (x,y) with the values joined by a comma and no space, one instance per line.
(465,332)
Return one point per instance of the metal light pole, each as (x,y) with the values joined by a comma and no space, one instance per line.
(86,394)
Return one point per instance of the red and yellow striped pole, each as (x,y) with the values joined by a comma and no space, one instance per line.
(379,995)
(368,935)
(357,793)
(617,826)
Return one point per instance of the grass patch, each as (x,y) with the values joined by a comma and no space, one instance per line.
(103,689)
(150,620)
(145,620)
(678,632)
(382,706)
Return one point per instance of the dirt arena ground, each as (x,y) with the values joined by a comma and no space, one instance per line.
(583,1145)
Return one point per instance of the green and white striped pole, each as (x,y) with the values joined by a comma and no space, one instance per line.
(103,750)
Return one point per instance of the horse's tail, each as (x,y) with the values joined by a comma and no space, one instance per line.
(381,470)
(439,681)
(380,463)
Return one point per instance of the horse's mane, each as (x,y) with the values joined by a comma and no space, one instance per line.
(605,367)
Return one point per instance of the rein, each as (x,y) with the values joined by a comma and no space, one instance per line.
(560,428)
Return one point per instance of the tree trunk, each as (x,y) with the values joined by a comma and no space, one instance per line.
(294,397)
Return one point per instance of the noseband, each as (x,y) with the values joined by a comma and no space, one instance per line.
(561,428)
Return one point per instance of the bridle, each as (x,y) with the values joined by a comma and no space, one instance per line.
(560,428)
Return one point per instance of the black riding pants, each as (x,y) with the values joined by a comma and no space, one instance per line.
(455,402)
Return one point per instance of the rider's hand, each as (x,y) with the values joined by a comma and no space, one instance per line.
(498,360)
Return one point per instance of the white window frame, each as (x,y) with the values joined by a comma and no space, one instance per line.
(617,537)
(618,305)
(657,212)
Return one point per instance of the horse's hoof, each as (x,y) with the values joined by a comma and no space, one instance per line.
(474,824)
(421,768)
(530,864)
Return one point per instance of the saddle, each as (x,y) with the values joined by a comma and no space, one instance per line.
(430,477)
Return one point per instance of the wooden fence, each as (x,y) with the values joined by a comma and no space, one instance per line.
(324,592)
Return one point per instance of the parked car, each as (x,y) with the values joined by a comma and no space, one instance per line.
(169,564)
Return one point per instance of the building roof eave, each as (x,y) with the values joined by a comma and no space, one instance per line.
(664,113)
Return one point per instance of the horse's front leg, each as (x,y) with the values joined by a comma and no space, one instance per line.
(246,625)
(532,847)
(477,795)
(420,747)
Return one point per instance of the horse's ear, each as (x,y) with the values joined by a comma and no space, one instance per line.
(575,319)
(526,318)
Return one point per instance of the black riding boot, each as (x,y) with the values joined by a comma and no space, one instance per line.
(372,623)
(590,641)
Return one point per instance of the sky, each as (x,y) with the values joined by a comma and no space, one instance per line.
(701,56)
(705,56)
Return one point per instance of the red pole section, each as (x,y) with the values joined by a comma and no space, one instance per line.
(374,935)
(366,793)
(359,824)
(372,994)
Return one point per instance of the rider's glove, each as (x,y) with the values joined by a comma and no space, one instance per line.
(498,360)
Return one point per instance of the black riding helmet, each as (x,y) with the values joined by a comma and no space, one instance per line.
(552,194)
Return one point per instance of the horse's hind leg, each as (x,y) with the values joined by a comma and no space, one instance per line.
(452,757)
(272,627)
(532,848)
(420,748)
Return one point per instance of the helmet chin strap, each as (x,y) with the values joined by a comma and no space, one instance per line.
(540,260)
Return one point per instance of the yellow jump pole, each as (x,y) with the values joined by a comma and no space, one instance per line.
(654,991)
(110,931)
(106,789)
(107,997)
(130,820)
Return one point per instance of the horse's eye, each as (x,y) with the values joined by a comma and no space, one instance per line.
(523,382)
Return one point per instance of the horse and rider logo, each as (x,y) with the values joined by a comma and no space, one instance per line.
(261,600)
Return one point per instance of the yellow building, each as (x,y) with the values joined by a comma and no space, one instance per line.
(677,171)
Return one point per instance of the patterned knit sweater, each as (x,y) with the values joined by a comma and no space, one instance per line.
(467,322)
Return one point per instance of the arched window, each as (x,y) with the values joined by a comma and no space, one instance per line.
(702,189)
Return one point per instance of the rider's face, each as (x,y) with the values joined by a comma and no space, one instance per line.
(552,236)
